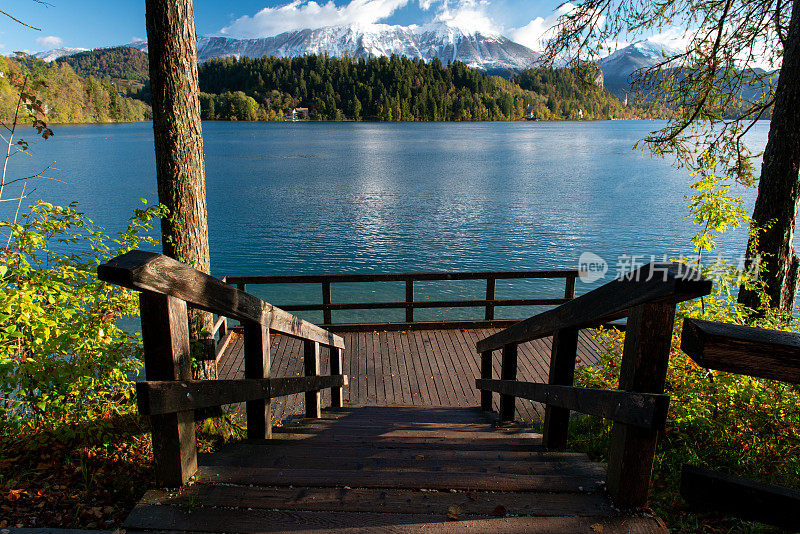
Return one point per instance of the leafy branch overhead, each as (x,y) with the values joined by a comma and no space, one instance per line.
(719,86)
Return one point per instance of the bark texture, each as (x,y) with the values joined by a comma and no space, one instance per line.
(779,185)
(172,51)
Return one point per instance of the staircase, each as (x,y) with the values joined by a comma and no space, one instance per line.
(391,469)
(401,468)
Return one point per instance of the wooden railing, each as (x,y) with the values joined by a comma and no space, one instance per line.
(647,297)
(753,352)
(170,396)
(409,304)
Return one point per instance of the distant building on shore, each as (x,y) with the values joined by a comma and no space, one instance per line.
(296,114)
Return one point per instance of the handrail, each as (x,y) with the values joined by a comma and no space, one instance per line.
(489,303)
(654,282)
(648,297)
(170,398)
(756,352)
(747,350)
(397,277)
(149,271)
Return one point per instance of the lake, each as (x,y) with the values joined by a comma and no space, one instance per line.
(387,197)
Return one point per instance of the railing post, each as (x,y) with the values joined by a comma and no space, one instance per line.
(327,316)
(645,357)
(562,373)
(569,287)
(256,365)
(165,334)
(486,373)
(409,301)
(336,369)
(508,371)
(490,286)
(223,328)
(311,364)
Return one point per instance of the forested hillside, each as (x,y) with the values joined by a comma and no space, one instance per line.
(87,87)
(126,67)
(396,89)
(67,97)
(564,91)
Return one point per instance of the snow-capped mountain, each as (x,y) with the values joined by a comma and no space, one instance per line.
(618,67)
(490,52)
(52,55)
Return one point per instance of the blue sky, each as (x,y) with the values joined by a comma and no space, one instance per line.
(96,23)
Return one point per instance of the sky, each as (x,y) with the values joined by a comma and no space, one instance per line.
(99,23)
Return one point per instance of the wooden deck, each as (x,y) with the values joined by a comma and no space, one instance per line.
(391,469)
(409,368)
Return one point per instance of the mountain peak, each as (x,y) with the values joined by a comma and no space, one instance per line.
(445,39)
(654,49)
(52,55)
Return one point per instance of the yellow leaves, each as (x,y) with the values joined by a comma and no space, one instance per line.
(454,512)
(14,495)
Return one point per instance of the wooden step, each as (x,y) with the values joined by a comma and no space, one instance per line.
(397,469)
(471,503)
(371,432)
(420,414)
(357,425)
(266,449)
(585,482)
(257,521)
(418,463)
(333,443)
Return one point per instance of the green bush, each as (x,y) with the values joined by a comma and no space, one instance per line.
(63,358)
(728,422)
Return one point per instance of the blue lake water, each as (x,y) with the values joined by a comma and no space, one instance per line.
(367,197)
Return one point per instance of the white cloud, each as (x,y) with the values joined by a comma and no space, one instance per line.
(538,31)
(51,41)
(308,14)
(535,34)
(469,16)
(673,38)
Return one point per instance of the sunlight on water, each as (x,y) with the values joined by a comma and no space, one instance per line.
(365,197)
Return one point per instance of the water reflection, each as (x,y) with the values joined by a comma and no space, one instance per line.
(360,197)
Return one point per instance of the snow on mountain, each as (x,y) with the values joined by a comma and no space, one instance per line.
(484,51)
(618,67)
(52,55)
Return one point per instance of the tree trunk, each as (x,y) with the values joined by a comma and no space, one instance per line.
(779,186)
(172,51)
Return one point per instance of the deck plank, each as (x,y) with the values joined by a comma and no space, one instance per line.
(414,368)
(210,519)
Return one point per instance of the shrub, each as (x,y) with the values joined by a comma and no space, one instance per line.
(63,357)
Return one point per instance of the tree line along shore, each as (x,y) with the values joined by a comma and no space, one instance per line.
(112,85)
